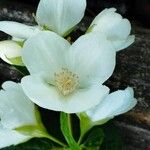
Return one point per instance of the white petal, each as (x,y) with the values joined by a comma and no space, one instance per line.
(60,15)
(9,49)
(10,137)
(10,86)
(128,104)
(120,30)
(45,53)
(104,22)
(21,109)
(18,30)
(103,13)
(92,58)
(114,26)
(17,39)
(122,44)
(47,96)
(114,104)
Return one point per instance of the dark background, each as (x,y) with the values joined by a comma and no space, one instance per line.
(137,10)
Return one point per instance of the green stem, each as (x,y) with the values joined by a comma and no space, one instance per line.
(82,135)
(55,140)
(84,129)
(70,123)
(65,123)
(80,139)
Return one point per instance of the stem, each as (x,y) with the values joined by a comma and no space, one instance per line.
(80,139)
(66,131)
(55,140)
(83,132)
(70,123)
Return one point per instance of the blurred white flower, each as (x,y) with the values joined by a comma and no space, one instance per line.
(16,110)
(59,16)
(10,52)
(116,28)
(67,77)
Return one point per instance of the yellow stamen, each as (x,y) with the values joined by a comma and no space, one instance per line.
(66,81)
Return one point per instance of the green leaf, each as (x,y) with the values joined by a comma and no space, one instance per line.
(16,61)
(66,130)
(94,139)
(37,131)
(34,144)
(21,43)
(85,123)
(38,116)
(112,140)
(32,130)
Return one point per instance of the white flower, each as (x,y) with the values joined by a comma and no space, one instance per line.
(16,110)
(114,104)
(115,27)
(10,52)
(67,77)
(59,16)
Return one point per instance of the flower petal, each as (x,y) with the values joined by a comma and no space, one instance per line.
(122,44)
(105,12)
(120,30)
(114,104)
(92,57)
(21,109)
(103,19)
(9,137)
(9,49)
(60,15)
(117,31)
(48,50)
(18,30)
(47,96)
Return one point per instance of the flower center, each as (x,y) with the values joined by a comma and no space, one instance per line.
(66,81)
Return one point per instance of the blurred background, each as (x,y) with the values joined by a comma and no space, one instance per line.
(137,10)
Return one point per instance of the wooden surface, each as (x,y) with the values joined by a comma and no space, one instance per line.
(133,69)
